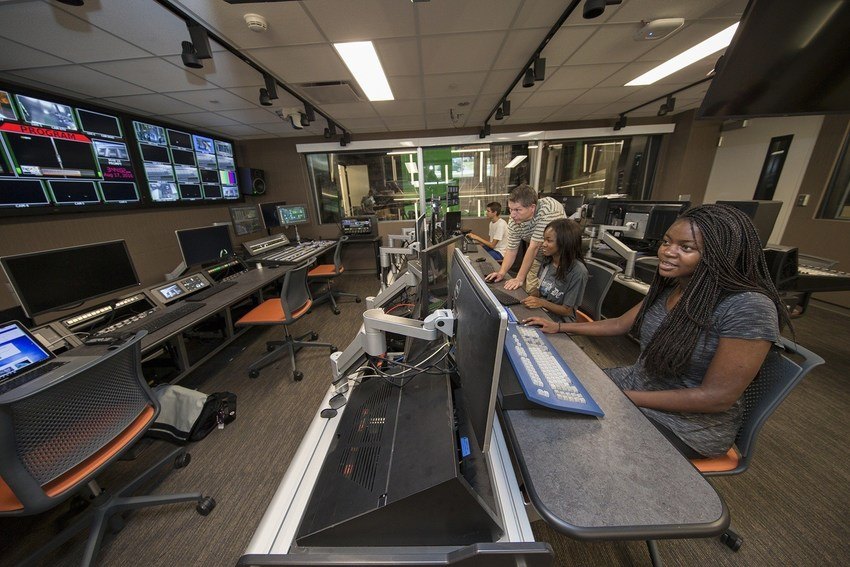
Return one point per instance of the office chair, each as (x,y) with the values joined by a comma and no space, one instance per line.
(777,377)
(600,277)
(324,274)
(54,441)
(294,303)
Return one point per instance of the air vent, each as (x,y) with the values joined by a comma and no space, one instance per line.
(360,463)
(331,92)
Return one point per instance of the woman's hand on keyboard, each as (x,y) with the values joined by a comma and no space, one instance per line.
(494,277)
(546,325)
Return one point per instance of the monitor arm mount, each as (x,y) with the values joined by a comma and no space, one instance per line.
(606,235)
(386,260)
(372,339)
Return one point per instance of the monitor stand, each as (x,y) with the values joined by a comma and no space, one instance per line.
(297,236)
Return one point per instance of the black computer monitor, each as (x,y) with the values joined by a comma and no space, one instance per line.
(452,223)
(420,232)
(269,212)
(246,220)
(762,213)
(571,203)
(292,214)
(478,342)
(435,262)
(204,245)
(56,279)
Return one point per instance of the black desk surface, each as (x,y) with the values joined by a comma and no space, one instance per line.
(614,477)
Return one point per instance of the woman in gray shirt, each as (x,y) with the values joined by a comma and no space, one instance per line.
(705,327)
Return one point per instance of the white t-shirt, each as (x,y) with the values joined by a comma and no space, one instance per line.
(498,231)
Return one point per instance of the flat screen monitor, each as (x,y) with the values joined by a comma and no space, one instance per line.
(60,278)
(292,214)
(421,231)
(436,264)
(452,223)
(479,341)
(762,213)
(47,113)
(269,212)
(571,203)
(246,220)
(205,245)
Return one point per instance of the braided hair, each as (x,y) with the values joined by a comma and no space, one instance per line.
(731,261)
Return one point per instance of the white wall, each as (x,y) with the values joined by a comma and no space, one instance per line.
(739,159)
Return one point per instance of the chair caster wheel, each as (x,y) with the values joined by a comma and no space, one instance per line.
(253,373)
(314,336)
(270,348)
(298,375)
(182,460)
(732,540)
(333,349)
(205,506)
(357,300)
(336,311)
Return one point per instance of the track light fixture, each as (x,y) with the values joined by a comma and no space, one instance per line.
(500,114)
(539,68)
(620,123)
(528,79)
(200,40)
(506,107)
(190,56)
(271,87)
(72,2)
(304,120)
(264,97)
(310,112)
(668,106)
(594,8)
(484,132)
(345,139)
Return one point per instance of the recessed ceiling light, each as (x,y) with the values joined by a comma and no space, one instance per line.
(701,50)
(362,60)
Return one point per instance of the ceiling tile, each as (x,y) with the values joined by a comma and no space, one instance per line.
(239,130)
(154,103)
(398,107)
(250,116)
(578,76)
(213,100)
(365,124)
(576,111)
(400,123)
(79,78)
(460,53)
(207,119)
(466,16)
(406,88)
(23,81)
(531,115)
(608,94)
(154,73)
(538,14)
(552,98)
(655,9)
(498,81)
(60,32)
(303,63)
(252,94)
(455,85)
(362,20)
(224,70)
(399,56)
(350,110)
(17,56)
(610,44)
(686,38)
(566,41)
(518,48)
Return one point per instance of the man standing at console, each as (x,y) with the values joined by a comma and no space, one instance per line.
(529,217)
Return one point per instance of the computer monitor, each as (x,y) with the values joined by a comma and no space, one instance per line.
(420,231)
(59,278)
(479,340)
(435,262)
(452,223)
(204,245)
(571,203)
(269,212)
(292,214)
(246,220)
(762,213)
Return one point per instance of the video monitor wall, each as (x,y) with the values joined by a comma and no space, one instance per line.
(56,156)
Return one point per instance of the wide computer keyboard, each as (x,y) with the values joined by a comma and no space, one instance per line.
(152,320)
(544,376)
(504,297)
(292,255)
(212,290)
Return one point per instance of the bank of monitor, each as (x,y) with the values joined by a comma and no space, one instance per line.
(289,215)
(651,219)
(60,278)
(205,245)
(246,220)
(762,213)
(478,344)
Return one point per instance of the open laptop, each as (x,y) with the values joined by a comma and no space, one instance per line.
(23,358)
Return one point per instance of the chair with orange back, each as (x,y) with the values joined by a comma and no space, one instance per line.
(324,274)
(56,438)
(294,302)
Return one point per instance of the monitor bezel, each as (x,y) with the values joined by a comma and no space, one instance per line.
(223,227)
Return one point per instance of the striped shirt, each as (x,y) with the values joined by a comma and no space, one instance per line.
(548,209)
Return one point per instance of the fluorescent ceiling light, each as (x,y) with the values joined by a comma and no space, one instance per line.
(362,60)
(470,150)
(515,162)
(534,147)
(527,134)
(401,152)
(411,167)
(701,50)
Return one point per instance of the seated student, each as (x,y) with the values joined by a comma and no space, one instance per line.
(563,275)
(496,232)
(705,327)
(529,216)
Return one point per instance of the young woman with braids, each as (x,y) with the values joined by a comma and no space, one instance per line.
(705,327)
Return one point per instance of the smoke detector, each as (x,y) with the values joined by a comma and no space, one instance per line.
(256,23)
(657,29)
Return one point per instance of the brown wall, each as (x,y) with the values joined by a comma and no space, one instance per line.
(822,237)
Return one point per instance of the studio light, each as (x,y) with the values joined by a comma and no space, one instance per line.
(304,120)
(271,86)
(667,106)
(190,57)
(620,123)
(310,111)
(265,100)
(499,113)
(331,129)
(200,40)
(528,79)
(345,139)
(540,69)
(506,107)
(484,132)
(594,8)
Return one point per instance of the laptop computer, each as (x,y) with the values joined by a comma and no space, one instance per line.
(23,358)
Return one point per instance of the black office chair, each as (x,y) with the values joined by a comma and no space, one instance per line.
(294,302)
(56,440)
(599,280)
(324,274)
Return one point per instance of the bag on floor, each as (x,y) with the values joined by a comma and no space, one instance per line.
(188,415)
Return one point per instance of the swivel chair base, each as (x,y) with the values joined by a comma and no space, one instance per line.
(105,509)
(331,295)
(293,344)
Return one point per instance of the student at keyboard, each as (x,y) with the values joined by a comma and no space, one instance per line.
(563,275)
(705,327)
(496,232)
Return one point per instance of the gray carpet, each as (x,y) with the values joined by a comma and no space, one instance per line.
(791,507)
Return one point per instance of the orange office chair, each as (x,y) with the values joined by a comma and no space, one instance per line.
(600,277)
(293,303)
(325,274)
(55,439)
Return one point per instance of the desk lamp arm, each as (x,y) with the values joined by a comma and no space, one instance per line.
(372,340)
